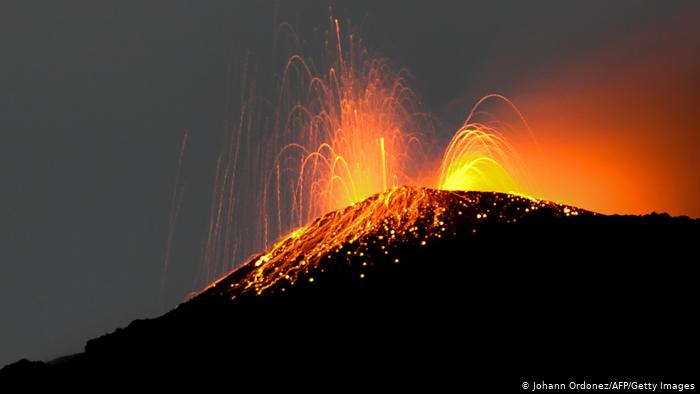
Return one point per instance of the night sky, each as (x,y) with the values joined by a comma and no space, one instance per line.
(95,98)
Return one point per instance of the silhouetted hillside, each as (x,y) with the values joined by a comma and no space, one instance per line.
(420,286)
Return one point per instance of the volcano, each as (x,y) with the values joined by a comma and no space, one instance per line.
(424,285)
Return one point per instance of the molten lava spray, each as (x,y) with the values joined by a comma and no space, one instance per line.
(352,133)
(340,134)
(480,158)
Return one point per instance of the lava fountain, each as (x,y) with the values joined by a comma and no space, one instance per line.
(353,132)
(340,134)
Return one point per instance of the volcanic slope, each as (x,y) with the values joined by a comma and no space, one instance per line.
(370,238)
(434,284)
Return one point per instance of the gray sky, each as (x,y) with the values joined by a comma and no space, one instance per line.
(94,99)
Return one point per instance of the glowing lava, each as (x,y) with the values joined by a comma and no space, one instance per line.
(354,132)
(374,232)
(339,136)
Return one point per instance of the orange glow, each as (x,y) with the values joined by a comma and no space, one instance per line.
(617,129)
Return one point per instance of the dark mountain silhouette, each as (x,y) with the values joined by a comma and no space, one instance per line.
(420,286)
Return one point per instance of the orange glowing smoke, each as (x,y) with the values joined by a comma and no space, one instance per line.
(618,129)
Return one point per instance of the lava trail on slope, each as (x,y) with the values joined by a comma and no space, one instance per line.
(354,243)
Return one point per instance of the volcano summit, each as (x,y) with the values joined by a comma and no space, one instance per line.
(434,284)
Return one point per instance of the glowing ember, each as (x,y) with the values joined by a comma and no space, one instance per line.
(368,234)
